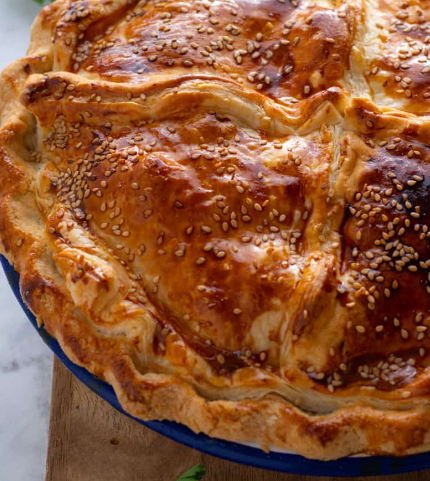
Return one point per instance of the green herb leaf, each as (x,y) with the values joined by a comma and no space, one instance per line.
(194,474)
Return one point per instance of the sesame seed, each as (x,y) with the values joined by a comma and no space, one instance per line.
(220,358)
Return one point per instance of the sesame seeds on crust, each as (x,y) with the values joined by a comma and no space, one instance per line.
(225,209)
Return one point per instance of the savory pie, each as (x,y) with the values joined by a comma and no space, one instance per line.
(222,209)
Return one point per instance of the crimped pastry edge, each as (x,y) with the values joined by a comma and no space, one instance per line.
(270,421)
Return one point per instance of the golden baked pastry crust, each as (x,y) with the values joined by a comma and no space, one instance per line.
(222,209)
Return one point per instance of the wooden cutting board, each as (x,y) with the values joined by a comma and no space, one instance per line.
(91,441)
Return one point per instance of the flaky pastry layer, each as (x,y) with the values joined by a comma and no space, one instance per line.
(221,208)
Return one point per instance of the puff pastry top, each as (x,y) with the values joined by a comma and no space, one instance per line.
(222,208)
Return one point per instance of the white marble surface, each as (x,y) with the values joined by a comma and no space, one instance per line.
(25,361)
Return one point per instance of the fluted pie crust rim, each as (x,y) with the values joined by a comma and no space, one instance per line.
(63,295)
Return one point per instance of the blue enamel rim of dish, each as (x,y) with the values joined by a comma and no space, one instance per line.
(287,463)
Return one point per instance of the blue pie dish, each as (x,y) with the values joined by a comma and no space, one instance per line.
(287,463)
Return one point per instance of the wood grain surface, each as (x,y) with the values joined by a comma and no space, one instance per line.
(91,441)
